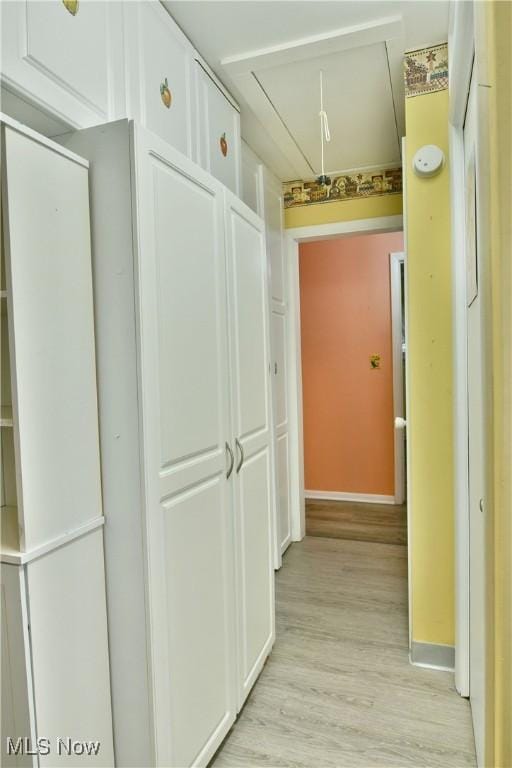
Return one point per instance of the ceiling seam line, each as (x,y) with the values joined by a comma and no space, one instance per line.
(283,123)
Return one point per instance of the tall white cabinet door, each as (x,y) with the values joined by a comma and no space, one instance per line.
(49,287)
(160,78)
(251,408)
(184,367)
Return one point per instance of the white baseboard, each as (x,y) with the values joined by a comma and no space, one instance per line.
(371,498)
(432,655)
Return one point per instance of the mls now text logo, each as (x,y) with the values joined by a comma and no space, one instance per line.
(63,746)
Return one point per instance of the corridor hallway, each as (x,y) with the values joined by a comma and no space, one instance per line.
(338,689)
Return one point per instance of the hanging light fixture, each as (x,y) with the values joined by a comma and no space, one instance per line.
(325,135)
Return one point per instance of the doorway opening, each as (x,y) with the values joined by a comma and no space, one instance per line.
(352,352)
(348,378)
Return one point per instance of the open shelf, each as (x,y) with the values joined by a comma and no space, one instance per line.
(6,416)
(10,535)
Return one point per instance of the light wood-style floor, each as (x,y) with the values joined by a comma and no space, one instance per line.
(338,689)
(385,523)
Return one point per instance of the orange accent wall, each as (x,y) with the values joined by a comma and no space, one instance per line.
(348,407)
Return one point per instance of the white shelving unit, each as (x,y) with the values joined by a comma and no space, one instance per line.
(54,627)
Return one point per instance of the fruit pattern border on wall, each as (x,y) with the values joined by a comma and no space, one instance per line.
(347,186)
(426,70)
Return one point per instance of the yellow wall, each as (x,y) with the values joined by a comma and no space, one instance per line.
(494,64)
(430,376)
(343,210)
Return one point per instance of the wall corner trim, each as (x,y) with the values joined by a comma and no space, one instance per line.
(432,655)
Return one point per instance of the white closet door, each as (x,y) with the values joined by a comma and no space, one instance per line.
(254,482)
(49,286)
(184,379)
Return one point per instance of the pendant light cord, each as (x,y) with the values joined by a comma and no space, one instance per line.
(324,124)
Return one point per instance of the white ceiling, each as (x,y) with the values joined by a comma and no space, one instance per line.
(269,53)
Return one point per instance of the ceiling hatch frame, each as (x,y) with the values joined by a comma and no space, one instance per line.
(243,71)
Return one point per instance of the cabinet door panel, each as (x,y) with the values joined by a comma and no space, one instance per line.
(66,57)
(274,224)
(201,660)
(220,133)
(256,619)
(184,367)
(68,627)
(160,75)
(254,478)
(190,342)
(283,490)
(49,282)
(280,377)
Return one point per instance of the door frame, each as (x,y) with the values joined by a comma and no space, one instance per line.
(294,237)
(399,408)
(461,47)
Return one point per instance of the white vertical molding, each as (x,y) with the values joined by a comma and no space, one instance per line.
(395,260)
(407,392)
(461,52)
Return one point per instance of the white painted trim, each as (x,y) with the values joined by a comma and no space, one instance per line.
(395,262)
(461,51)
(20,558)
(296,429)
(368,33)
(363,498)
(40,139)
(293,238)
(340,228)
(410,500)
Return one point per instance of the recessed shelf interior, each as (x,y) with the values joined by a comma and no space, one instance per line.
(10,531)
(9,520)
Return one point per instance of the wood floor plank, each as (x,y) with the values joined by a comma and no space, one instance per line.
(385,523)
(338,689)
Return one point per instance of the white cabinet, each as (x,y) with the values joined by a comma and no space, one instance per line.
(54,629)
(252,437)
(51,340)
(66,57)
(160,75)
(183,527)
(219,130)
(55,652)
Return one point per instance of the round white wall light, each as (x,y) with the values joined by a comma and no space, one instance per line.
(428,160)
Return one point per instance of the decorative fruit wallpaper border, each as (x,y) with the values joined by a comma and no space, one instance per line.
(426,70)
(348,186)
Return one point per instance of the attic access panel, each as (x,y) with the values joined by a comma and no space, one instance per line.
(358,99)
